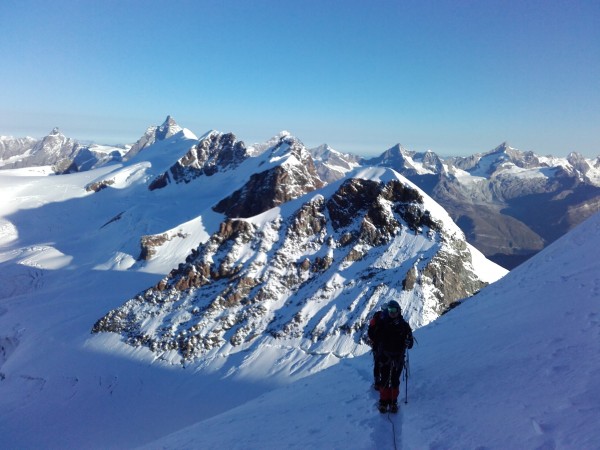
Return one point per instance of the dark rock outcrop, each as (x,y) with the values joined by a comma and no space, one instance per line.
(216,152)
(274,186)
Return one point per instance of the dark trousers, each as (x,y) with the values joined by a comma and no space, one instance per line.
(390,369)
(376,370)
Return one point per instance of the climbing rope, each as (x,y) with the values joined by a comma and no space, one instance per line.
(393,430)
(389,383)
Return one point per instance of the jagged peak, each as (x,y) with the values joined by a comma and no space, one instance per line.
(502,152)
(399,148)
(397,151)
(169,121)
(578,162)
(55,136)
(428,153)
(282,144)
(282,137)
(430,156)
(289,138)
(168,128)
(260,147)
(502,148)
(323,150)
(505,149)
(155,133)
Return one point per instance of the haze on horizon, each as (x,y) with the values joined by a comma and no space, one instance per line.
(454,77)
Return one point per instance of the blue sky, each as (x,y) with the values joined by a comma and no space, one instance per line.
(456,77)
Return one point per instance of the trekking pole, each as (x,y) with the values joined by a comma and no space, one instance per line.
(406,370)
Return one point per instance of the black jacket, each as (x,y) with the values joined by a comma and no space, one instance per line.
(390,335)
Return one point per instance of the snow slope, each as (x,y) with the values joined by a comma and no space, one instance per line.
(519,367)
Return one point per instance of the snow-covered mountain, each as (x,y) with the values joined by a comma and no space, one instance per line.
(521,356)
(307,275)
(509,203)
(153,134)
(408,162)
(292,263)
(63,154)
(332,165)
(75,247)
(12,148)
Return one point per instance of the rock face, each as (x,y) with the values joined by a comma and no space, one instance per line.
(307,275)
(97,186)
(215,152)
(274,186)
(150,243)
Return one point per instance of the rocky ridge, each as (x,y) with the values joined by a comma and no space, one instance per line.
(213,153)
(306,274)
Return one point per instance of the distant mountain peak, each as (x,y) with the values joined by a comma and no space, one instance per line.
(502,147)
(398,148)
(331,164)
(396,157)
(153,134)
(169,121)
(167,129)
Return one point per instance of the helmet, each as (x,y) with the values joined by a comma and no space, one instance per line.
(393,304)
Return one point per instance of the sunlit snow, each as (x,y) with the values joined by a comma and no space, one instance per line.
(516,367)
